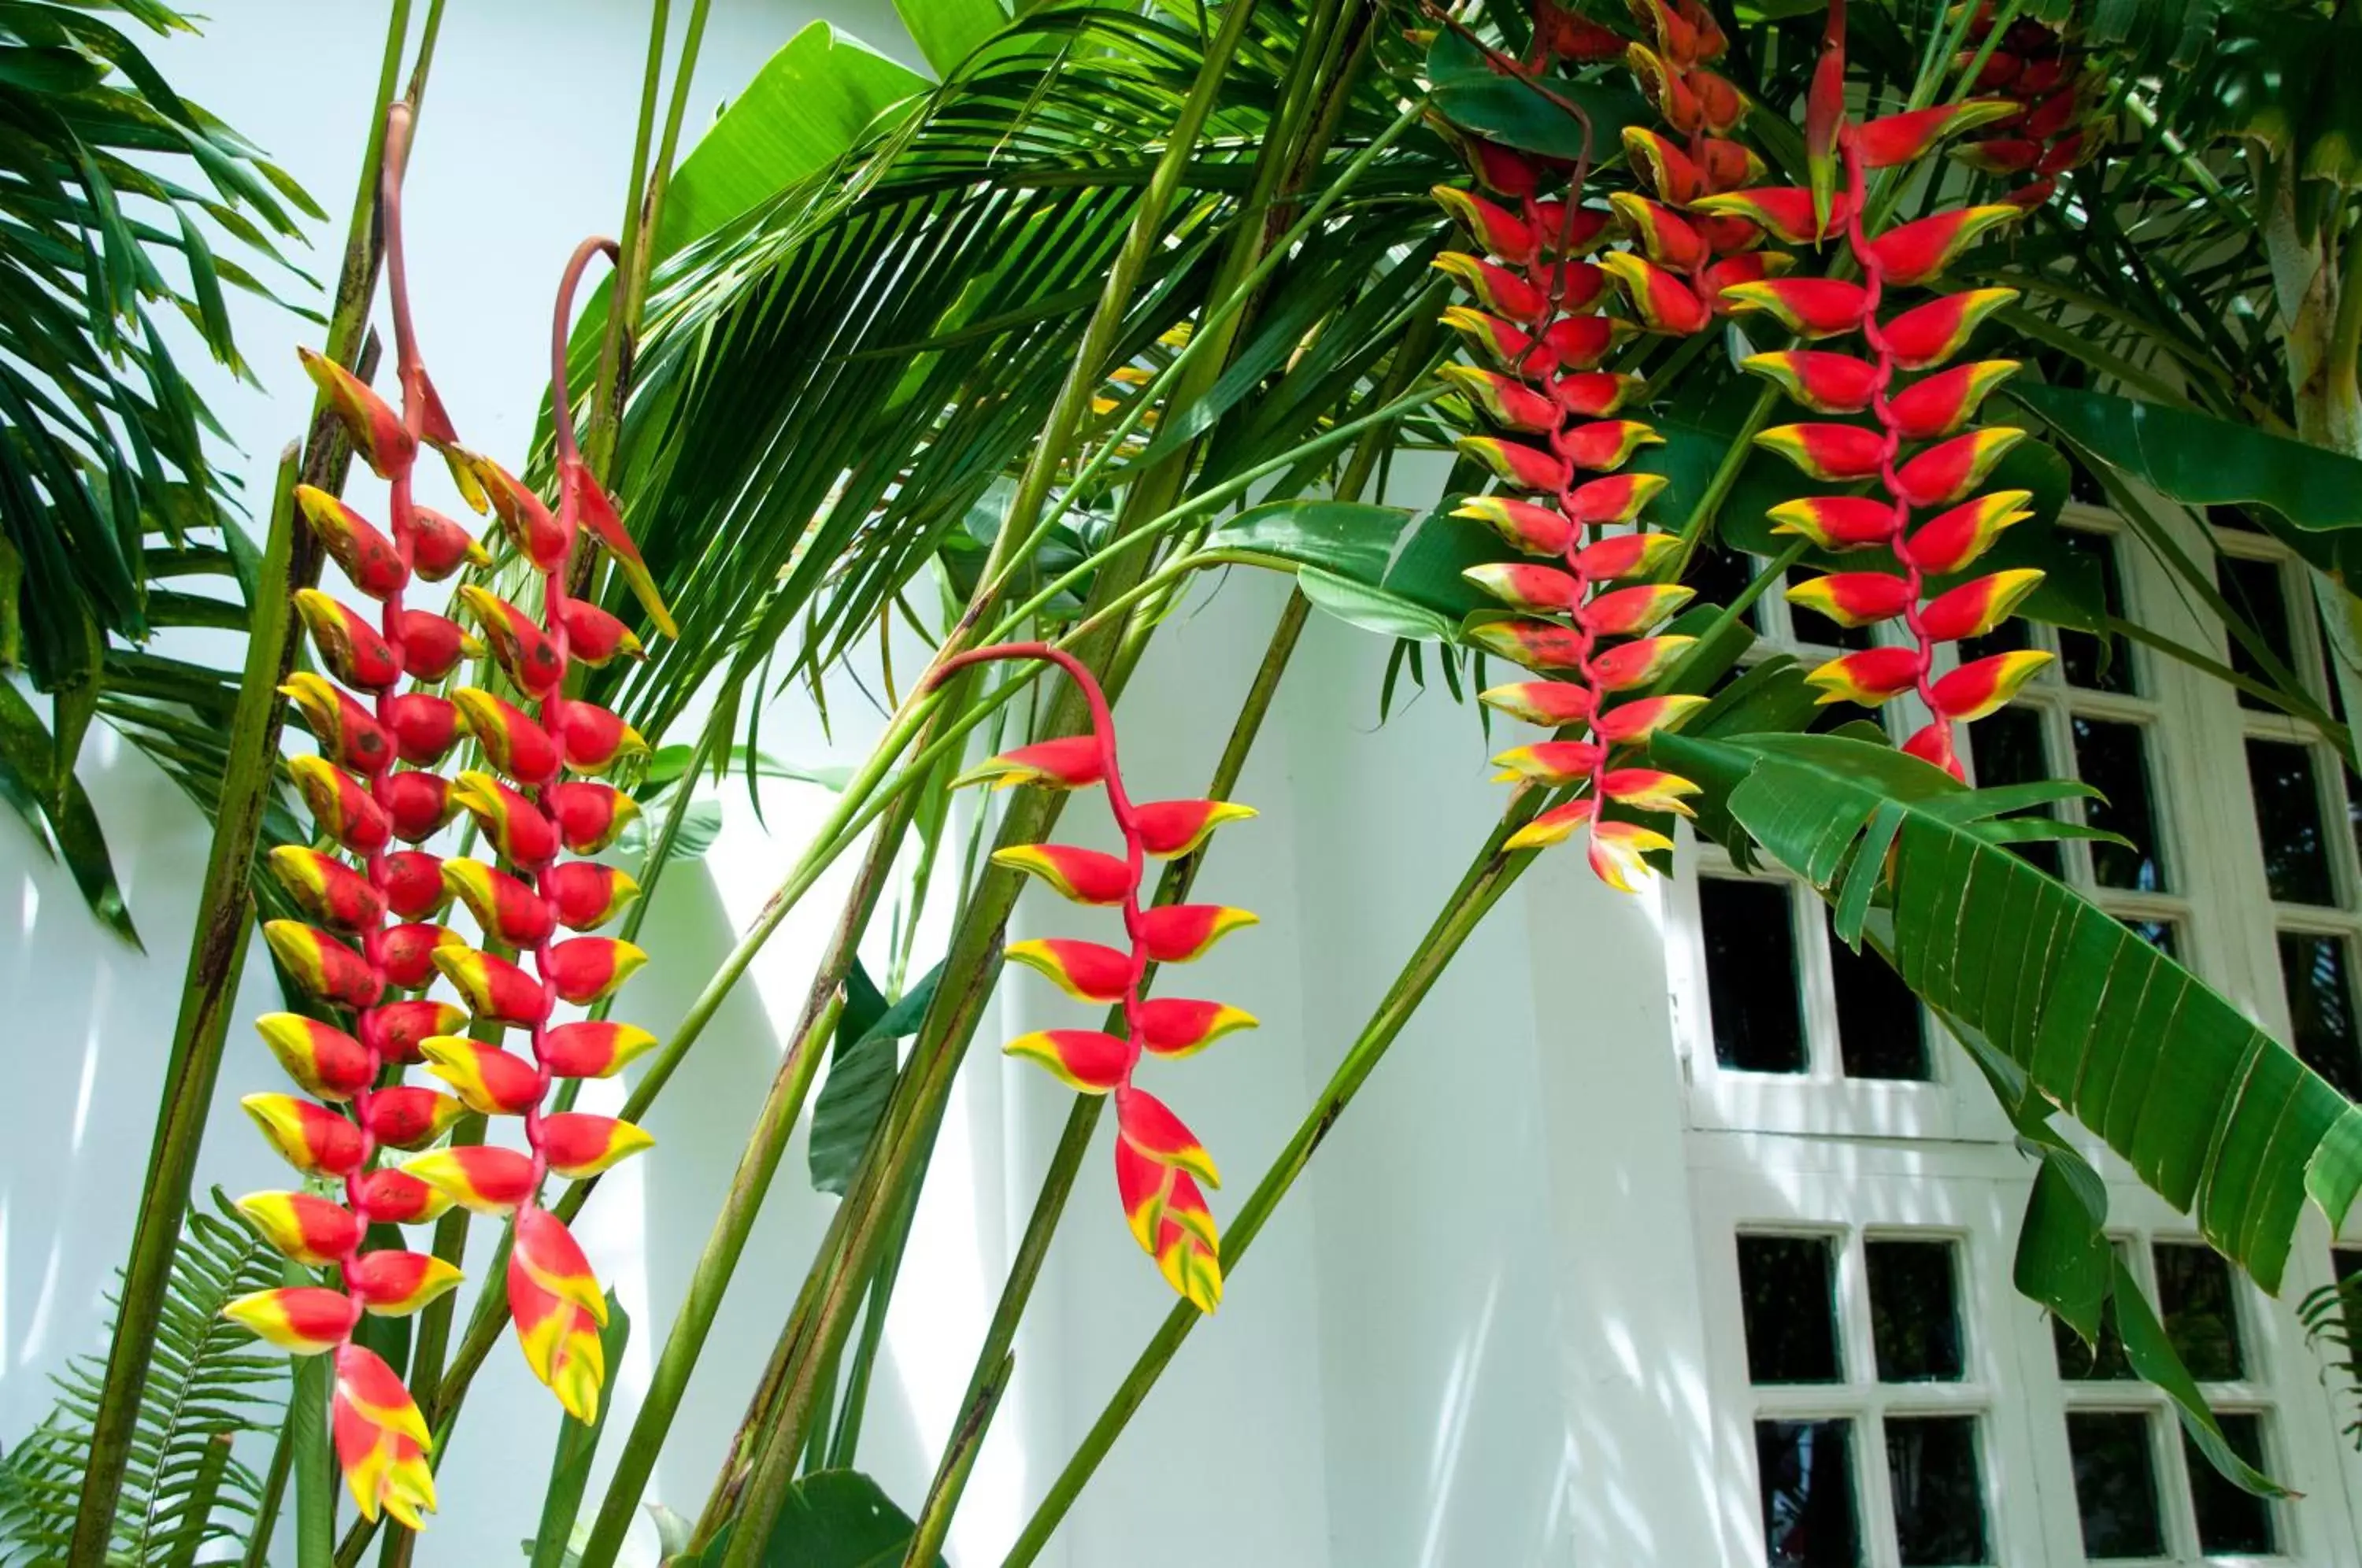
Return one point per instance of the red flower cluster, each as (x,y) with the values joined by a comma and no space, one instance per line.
(1159,1163)
(2048,125)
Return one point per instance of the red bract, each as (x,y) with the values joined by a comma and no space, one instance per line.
(1156,1153)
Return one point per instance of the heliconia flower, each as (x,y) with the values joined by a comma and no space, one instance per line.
(559,1341)
(1637,663)
(1497,289)
(408,1117)
(1911,253)
(585,970)
(1500,231)
(1854,598)
(1893,140)
(395,1030)
(1945,472)
(1084,875)
(1507,402)
(1932,743)
(512,742)
(351,648)
(1667,239)
(520,648)
(312,1138)
(1727,234)
(397,1197)
(1976,607)
(340,804)
(1085,1060)
(597,510)
(424,726)
(1660,300)
(1626,555)
(594,637)
(1553,826)
(303,1319)
(324,966)
(528,523)
(1667,90)
(1945,402)
(1552,703)
(1177,933)
(1870,676)
(1785,212)
(1629,611)
(1982,685)
(376,431)
(507,910)
(1502,342)
(2001,154)
(1562,231)
(1926,335)
(1177,1026)
(1521,585)
(1528,467)
(392,1284)
(417,805)
(1648,789)
(593,1048)
(1616,849)
(496,989)
(1569,285)
(1810,307)
(312,1231)
(326,888)
(1824,111)
(2027,198)
(1088,971)
(1187,1264)
(433,646)
(1830,453)
(1141,1185)
(1721,105)
(366,557)
(1643,717)
(1567,35)
(516,827)
(1677,180)
(595,739)
(1072,762)
(1577,343)
(588,816)
(381,1439)
(1820,381)
(1595,394)
(1716,282)
(1150,1127)
(1952,540)
(405,953)
(587,895)
(578,1144)
(1552,763)
(1168,829)
(488,1080)
(1836,521)
(1536,644)
(347,732)
(1537,530)
(439,547)
(482,1177)
(1603,443)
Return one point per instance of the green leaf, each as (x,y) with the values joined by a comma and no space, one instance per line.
(1380,568)
(839,1519)
(1477,98)
(947,31)
(861,1075)
(29,758)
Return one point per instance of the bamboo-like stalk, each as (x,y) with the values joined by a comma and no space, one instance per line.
(204,1489)
(315,1467)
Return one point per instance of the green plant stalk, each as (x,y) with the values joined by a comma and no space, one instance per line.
(204,1488)
(274,1492)
(315,1467)
(599,429)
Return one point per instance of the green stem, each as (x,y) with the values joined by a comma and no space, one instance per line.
(274,1494)
(204,1487)
(315,1467)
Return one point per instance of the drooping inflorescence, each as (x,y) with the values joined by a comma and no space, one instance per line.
(1159,1163)
(2052,123)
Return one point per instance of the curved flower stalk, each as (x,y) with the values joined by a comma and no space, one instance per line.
(1920,454)
(2051,123)
(369,787)
(1161,1168)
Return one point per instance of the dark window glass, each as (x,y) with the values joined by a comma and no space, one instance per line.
(2317,974)
(2007,749)
(2096,663)
(1914,1312)
(1882,1033)
(2230,1518)
(1787,1289)
(2112,758)
(1720,576)
(1805,1471)
(2115,1484)
(2194,1296)
(2288,820)
(2234,518)
(1940,1506)
(2259,592)
(2104,1361)
(2160,934)
(1751,975)
(2007,637)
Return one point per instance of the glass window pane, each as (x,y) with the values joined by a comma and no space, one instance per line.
(2007,637)
(2259,593)
(1720,575)
(1787,1289)
(1805,1474)
(2104,1361)
(2318,976)
(1914,1312)
(1882,1033)
(2115,1484)
(2230,1518)
(2007,748)
(1751,975)
(1940,1506)
(2194,1296)
(2288,819)
(2112,758)
(2096,663)
(2161,935)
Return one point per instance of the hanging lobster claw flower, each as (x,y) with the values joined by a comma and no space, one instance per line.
(1721,105)
(1088,971)
(512,742)
(1667,170)
(1497,289)
(439,547)
(1820,381)
(304,1320)
(1071,762)
(1084,875)
(366,557)
(1810,307)
(1537,530)
(594,637)
(1982,685)
(1951,541)
(350,647)
(1604,444)
(1168,829)
(1626,612)
(1507,402)
(508,911)
(1854,598)
(1640,719)
(590,816)
(1085,1060)
(1554,763)
(1147,1125)
(1715,282)
(1562,231)
(1664,234)
(594,739)
(1177,933)
(1616,851)
(1571,285)
(1614,498)
(424,727)
(1648,789)
(324,966)
(516,827)
(496,989)
(1830,453)
(395,1030)
(1553,826)
(1825,111)
(1926,335)
(1932,743)
(1595,394)
(1626,555)
(1911,253)
(597,511)
(587,895)
(312,1138)
(488,1080)
(1528,467)
(1666,91)
(1500,341)
(1784,212)
(397,1197)
(316,1232)
(537,536)
(341,807)
(1637,663)
(417,805)
(518,645)
(393,1284)
(1495,228)
(1662,301)
(1177,1026)
(346,731)
(376,431)
(559,1341)
(407,1117)
(326,888)
(1947,401)
(382,1439)
(1836,521)
(406,953)
(481,1177)
(1141,1185)
(1536,644)
(1895,139)
(433,646)
(585,969)
(1728,236)
(2001,154)
(1976,607)
(1870,676)
(1538,589)
(577,1144)
(1945,472)
(593,1049)
(1189,1265)
(1576,343)
(1728,166)
(1551,703)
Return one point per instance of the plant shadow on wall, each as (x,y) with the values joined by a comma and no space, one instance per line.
(1003,359)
